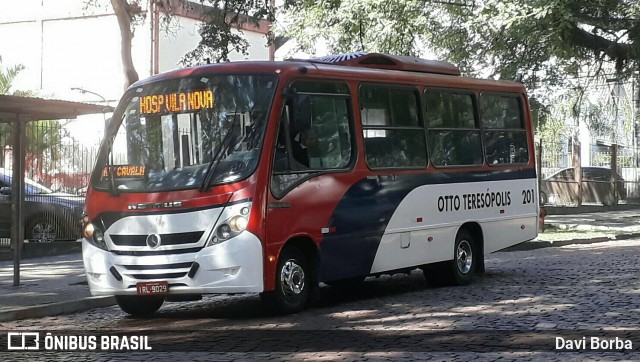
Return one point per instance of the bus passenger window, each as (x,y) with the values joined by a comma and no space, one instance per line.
(504,133)
(453,133)
(393,133)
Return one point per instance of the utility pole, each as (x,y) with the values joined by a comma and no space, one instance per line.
(106,102)
(635,93)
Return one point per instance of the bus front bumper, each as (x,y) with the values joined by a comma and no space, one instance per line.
(233,266)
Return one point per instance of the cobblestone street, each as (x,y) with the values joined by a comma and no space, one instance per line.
(515,310)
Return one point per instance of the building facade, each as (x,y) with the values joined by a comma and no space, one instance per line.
(68,46)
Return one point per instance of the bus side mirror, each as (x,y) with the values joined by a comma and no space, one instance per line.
(301,115)
(287,93)
(6,190)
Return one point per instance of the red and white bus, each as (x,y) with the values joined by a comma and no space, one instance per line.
(272,177)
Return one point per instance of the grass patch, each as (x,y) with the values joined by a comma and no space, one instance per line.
(554,234)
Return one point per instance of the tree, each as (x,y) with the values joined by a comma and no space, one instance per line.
(505,37)
(218,38)
(126,13)
(395,27)
(7,76)
(573,34)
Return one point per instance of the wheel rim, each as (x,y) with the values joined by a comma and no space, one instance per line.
(292,278)
(44,232)
(464,257)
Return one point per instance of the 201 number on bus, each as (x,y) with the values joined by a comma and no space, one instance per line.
(527,196)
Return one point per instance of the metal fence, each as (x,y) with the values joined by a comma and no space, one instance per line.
(596,184)
(53,158)
(57,169)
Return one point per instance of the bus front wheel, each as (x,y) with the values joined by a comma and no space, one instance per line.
(138,306)
(293,283)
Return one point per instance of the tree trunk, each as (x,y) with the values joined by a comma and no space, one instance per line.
(124,15)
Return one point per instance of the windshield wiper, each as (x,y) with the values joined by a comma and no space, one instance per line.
(112,181)
(217,157)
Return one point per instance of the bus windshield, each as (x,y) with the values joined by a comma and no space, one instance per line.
(187,133)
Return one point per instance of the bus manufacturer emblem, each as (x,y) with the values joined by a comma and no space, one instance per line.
(155,205)
(153,241)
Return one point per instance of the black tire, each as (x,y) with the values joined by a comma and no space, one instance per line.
(139,306)
(42,229)
(465,258)
(459,271)
(293,283)
(438,274)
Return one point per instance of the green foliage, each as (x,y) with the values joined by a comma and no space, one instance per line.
(553,133)
(7,75)
(220,35)
(553,130)
(395,27)
(43,137)
(504,37)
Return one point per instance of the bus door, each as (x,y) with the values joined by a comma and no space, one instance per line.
(313,159)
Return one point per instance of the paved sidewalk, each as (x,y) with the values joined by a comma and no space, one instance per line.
(48,286)
(57,285)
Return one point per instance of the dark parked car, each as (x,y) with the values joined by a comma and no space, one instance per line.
(48,216)
(596,186)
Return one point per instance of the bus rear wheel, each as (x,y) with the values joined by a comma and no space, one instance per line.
(139,306)
(293,283)
(465,259)
(460,270)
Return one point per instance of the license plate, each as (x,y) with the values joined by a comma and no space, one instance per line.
(152,288)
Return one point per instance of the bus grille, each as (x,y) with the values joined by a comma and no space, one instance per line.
(156,252)
(158,276)
(167,239)
(159,271)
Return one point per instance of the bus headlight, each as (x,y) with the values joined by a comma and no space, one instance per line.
(238,223)
(233,225)
(94,235)
(230,228)
(223,232)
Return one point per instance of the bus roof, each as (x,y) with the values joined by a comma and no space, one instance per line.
(371,66)
(385,61)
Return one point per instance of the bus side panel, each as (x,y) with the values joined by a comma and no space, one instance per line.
(411,248)
(506,233)
(303,213)
(383,222)
(358,223)
(425,224)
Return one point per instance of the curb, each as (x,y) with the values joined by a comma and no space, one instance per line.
(532,245)
(52,309)
(39,250)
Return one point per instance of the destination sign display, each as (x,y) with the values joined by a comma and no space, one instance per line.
(124,171)
(176,102)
